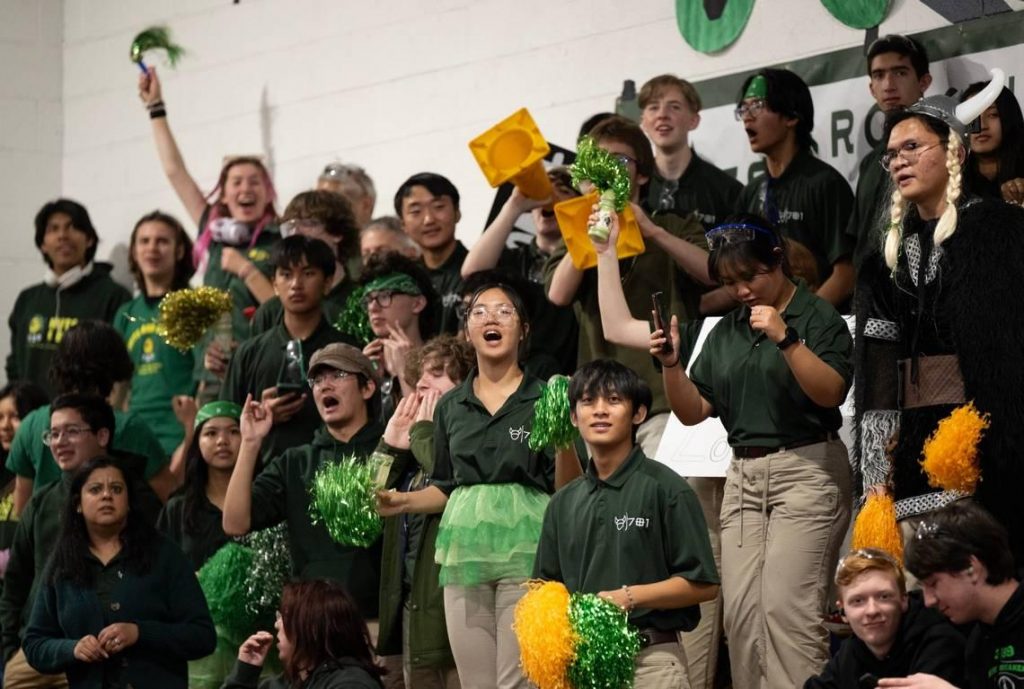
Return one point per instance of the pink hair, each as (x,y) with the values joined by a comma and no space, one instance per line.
(219,210)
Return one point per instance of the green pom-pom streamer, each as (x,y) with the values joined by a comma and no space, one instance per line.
(607,647)
(606,172)
(186,314)
(344,500)
(224,579)
(552,426)
(155,38)
(271,566)
(353,319)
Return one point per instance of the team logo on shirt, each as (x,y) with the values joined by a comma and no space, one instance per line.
(786,215)
(35,329)
(1007,669)
(625,522)
(148,350)
(519,435)
(51,330)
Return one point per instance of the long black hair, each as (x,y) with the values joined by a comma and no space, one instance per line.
(1010,155)
(138,539)
(197,475)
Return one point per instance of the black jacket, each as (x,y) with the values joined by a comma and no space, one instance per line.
(995,653)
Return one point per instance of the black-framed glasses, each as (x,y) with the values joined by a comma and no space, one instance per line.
(382,297)
(72,433)
(327,376)
(753,107)
(910,153)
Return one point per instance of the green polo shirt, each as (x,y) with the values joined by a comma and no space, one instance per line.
(641,525)
(702,189)
(871,209)
(258,365)
(811,203)
(281,494)
(161,371)
(745,377)
(29,458)
(652,271)
(472,447)
(271,312)
(447,280)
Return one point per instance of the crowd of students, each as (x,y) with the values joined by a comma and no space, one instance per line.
(132,463)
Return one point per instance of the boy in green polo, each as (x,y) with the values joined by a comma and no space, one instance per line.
(630,529)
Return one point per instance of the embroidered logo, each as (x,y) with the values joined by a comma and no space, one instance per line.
(625,522)
(519,435)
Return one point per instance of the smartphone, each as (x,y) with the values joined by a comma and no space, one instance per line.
(661,321)
(286,388)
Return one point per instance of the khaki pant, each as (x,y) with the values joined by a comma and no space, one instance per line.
(424,677)
(479,620)
(661,667)
(18,674)
(393,664)
(783,519)
(701,644)
(648,435)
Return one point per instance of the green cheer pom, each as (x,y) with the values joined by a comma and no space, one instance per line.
(156,38)
(353,320)
(607,644)
(186,314)
(552,425)
(268,572)
(344,499)
(224,580)
(604,170)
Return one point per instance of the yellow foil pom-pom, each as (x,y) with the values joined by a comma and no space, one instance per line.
(186,314)
(546,640)
(876,526)
(950,455)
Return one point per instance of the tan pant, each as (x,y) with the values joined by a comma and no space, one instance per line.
(424,677)
(783,519)
(701,644)
(18,674)
(479,620)
(661,667)
(393,678)
(648,435)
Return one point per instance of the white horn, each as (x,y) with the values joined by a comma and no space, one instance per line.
(971,109)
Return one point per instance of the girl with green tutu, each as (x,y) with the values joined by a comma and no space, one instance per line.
(492,489)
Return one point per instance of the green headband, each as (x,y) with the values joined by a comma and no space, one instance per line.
(393,282)
(757,88)
(220,408)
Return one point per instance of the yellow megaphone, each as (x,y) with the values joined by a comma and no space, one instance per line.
(512,150)
(573,220)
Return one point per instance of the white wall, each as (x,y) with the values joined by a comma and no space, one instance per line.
(398,86)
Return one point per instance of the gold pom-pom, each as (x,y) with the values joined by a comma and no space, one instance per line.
(186,314)
(546,639)
(950,455)
(876,527)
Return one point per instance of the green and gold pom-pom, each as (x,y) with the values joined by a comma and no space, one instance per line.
(186,314)
(344,499)
(604,170)
(156,38)
(552,425)
(224,580)
(353,320)
(269,570)
(607,647)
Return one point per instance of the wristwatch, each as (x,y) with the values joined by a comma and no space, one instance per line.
(790,339)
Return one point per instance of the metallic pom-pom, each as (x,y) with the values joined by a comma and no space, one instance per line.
(270,568)
(353,320)
(876,527)
(552,426)
(156,38)
(604,170)
(343,497)
(224,580)
(607,647)
(186,314)
(546,640)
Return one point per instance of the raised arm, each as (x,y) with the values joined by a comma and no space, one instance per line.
(688,256)
(167,148)
(564,282)
(255,424)
(617,322)
(684,398)
(487,251)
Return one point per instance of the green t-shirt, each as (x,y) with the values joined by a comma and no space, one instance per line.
(871,210)
(281,494)
(29,458)
(161,371)
(259,364)
(703,190)
(641,525)
(811,203)
(271,313)
(642,275)
(745,377)
(42,314)
(447,281)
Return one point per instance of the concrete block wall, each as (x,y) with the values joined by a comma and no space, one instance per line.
(398,86)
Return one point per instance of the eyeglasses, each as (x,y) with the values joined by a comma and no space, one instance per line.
(72,433)
(503,313)
(909,152)
(328,376)
(383,298)
(753,108)
(736,233)
(624,159)
(291,227)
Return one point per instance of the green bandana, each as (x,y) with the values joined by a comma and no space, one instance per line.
(393,282)
(757,88)
(220,408)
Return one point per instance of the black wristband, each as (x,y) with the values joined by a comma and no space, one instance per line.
(155,105)
(157,113)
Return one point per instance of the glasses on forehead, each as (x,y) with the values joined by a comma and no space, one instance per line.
(735,233)
(909,152)
(753,107)
(341,171)
(292,227)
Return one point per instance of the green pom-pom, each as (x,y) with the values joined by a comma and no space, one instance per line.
(604,170)
(225,579)
(344,499)
(271,566)
(353,319)
(186,314)
(552,426)
(156,38)
(607,647)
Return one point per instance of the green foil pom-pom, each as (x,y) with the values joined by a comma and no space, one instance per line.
(225,580)
(186,314)
(270,568)
(607,647)
(604,170)
(552,426)
(156,38)
(344,499)
(353,320)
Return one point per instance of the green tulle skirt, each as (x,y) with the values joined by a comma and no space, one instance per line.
(489,532)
